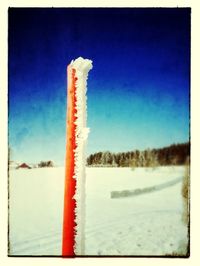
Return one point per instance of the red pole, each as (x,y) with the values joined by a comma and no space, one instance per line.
(68,240)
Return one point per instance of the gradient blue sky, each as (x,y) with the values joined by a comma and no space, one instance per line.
(138,89)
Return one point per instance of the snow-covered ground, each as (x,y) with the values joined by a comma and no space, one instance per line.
(36,202)
(142,224)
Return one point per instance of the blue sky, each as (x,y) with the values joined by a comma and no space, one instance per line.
(138,89)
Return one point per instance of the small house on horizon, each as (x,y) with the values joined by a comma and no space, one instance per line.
(23,166)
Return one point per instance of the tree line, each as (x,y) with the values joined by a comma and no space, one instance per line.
(175,154)
(45,164)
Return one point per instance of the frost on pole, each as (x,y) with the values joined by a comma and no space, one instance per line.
(77,132)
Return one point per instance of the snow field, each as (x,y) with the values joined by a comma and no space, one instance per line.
(148,224)
(36,203)
(145,224)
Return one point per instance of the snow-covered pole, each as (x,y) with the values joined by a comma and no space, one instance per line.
(74,203)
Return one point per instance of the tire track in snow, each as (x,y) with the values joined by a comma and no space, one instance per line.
(35,247)
(119,221)
(35,244)
(114,240)
(37,238)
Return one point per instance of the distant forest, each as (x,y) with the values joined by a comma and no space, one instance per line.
(176,154)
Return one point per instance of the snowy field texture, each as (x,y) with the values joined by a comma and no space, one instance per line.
(145,220)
